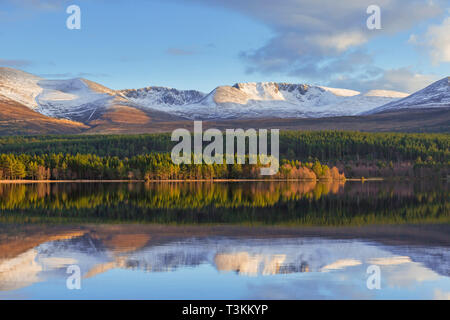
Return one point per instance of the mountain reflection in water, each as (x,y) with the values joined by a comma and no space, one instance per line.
(252,240)
(37,255)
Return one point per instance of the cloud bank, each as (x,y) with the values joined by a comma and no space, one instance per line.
(325,39)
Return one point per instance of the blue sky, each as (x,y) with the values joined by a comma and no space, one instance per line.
(200,44)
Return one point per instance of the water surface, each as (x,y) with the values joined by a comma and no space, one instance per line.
(255,240)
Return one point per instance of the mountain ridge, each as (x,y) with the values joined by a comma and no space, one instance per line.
(80,99)
(99,108)
(267,99)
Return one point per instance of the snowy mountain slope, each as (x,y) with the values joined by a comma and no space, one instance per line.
(70,99)
(74,99)
(84,100)
(20,86)
(163,99)
(435,95)
(276,100)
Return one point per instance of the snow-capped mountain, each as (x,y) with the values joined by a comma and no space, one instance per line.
(85,101)
(74,99)
(283,100)
(434,96)
(262,100)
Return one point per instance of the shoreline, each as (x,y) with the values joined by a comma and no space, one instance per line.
(181,180)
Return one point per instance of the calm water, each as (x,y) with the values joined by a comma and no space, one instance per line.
(255,240)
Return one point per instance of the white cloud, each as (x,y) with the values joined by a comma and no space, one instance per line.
(406,80)
(436,41)
(323,40)
(401,79)
(341,42)
(310,32)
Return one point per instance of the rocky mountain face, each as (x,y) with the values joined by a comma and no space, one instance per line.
(162,96)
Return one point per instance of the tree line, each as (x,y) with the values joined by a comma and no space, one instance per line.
(294,145)
(145,156)
(152,166)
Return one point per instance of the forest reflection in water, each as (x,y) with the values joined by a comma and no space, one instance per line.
(297,203)
(242,240)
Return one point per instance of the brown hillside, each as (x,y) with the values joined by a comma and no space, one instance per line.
(424,120)
(17,119)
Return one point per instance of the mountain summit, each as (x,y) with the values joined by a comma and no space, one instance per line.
(435,95)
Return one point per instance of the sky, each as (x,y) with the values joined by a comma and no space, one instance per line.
(201,44)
